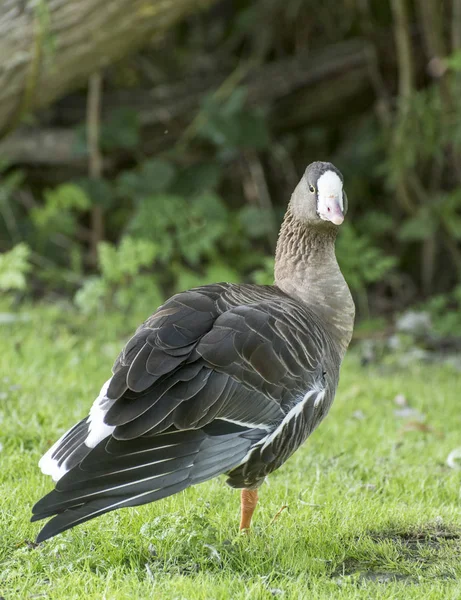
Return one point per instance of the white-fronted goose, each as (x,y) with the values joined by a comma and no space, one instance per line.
(220,379)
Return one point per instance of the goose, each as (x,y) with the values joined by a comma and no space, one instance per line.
(222,379)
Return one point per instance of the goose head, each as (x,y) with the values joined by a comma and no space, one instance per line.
(319,198)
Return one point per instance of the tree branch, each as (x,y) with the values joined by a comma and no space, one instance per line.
(95,159)
(402,42)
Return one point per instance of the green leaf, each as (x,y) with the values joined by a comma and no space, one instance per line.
(218,272)
(186,278)
(453,224)
(127,260)
(256,222)
(80,145)
(418,228)
(90,297)
(453,61)
(235,103)
(142,295)
(99,191)
(265,275)
(154,176)
(377,223)
(448,209)
(14,266)
(229,125)
(67,196)
(209,207)
(253,131)
(361,262)
(10,182)
(121,130)
(60,206)
(196,179)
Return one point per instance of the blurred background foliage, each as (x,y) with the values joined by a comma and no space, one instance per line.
(179,173)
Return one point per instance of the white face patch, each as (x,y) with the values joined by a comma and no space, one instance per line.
(330,204)
(330,185)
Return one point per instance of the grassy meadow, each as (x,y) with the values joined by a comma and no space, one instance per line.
(372,509)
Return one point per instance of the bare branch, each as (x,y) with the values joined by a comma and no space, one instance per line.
(95,159)
(403,44)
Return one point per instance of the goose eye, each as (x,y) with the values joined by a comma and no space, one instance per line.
(312,189)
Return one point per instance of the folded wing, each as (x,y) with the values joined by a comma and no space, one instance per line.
(208,377)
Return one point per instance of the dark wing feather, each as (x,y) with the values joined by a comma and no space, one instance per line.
(119,474)
(215,369)
(263,357)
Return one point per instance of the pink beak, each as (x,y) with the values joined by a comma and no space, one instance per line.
(332,210)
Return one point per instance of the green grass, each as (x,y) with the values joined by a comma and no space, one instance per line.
(373,510)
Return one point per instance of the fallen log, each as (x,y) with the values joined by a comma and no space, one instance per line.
(48,48)
(341,69)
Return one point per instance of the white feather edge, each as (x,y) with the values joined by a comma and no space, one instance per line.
(245,423)
(296,410)
(97,431)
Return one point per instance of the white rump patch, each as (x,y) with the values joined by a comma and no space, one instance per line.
(330,185)
(49,466)
(98,430)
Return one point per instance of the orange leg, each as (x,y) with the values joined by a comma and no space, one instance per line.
(248,501)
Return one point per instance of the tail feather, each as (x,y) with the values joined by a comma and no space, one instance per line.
(55,504)
(90,510)
(71,441)
(67,452)
(116,474)
(157,461)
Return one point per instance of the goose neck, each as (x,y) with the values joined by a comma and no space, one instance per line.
(307,270)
